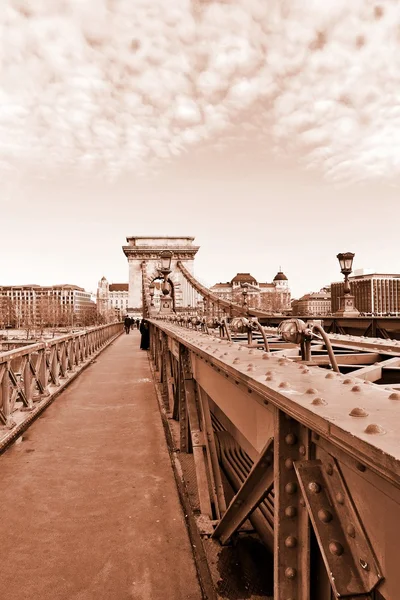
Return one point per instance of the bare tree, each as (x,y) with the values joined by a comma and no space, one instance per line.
(89,315)
(26,316)
(7,312)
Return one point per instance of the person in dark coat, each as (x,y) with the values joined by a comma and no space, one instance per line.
(145,337)
(138,323)
(127,324)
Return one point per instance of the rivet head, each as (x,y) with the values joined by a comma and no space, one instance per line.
(269,378)
(266,356)
(290,572)
(336,549)
(305,371)
(251,367)
(374,429)
(302,450)
(290,512)
(314,487)
(291,541)
(289,464)
(329,376)
(325,515)
(290,439)
(291,487)
(251,351)
(358,412)
(269,372)
(347,381)
(394,396)
(319,402)
(339,498)
(302,502)
(356,388)
(311,391)
(236,361)
(329,469)
(351,531)
(284,384)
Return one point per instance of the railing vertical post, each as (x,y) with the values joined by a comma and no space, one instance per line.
(212,454)
(28,381)
(291,522)
(54,364)
(183,415)
(64,362)
(43,372)
(5,395)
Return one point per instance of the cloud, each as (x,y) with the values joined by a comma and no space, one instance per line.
(123,86)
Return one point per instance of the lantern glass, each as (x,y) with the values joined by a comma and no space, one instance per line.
(166,257)
(346,262)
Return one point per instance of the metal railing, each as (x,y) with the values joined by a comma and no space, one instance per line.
(312,456)
(30,376)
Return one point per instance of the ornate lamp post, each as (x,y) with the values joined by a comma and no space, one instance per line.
(346,306)
(165,270)
(152,294)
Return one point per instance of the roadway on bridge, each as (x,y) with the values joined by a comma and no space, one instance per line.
(89,506)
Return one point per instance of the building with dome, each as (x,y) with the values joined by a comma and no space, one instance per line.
(271,297)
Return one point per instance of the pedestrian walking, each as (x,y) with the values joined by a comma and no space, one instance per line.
(127,324)
(145,337)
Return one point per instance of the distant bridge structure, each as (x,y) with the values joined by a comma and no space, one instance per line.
(284,436)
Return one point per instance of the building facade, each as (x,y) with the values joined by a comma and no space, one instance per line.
(270,297)
(45,305)
(313,304)
(112,299)
(374,293)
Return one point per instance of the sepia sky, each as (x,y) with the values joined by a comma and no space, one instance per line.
(269,131)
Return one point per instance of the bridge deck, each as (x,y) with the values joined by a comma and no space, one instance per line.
(88,499)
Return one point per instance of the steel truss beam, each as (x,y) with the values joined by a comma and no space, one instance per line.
(271,406)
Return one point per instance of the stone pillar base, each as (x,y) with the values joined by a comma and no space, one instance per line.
(166,305)
(347,308)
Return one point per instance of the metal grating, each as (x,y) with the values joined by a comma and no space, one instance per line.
(243,571)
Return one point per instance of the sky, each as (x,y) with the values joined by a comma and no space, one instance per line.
(268,131)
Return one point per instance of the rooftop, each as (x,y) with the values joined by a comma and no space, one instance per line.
(118,287)
(243,278)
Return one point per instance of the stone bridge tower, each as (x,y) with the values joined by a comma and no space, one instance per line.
(148,248)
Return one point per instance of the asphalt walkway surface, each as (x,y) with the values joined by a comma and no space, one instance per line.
(88,501)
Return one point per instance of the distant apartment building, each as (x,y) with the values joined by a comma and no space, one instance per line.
(57,304)
(270,297)
(374,293)
(313,304)
(112,298)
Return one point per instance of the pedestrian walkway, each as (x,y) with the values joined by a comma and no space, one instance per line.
(89,506)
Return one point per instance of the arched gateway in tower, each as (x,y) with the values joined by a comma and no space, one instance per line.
(148,249)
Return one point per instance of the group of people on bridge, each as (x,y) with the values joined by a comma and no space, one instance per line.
(131,323)
(143,326)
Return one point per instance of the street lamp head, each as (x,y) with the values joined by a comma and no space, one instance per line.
(346,262)
(166,257)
